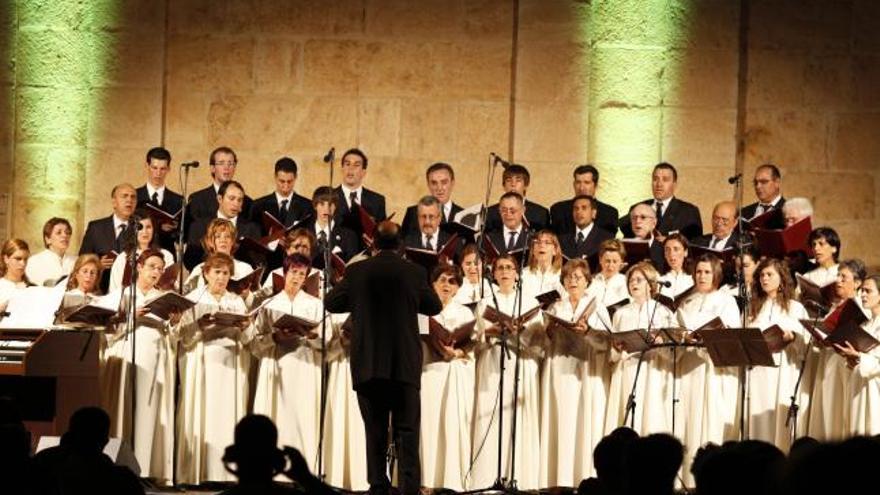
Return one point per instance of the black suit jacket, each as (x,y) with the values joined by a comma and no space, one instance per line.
(171,204)
(500,243)
(195,254)
(658,259)
(414,240)
(300,208)
(562,222)
(537,216)
(384,295)
(705,240)
(410,222)
(100,238)
(568,242)
(203,204)
(679,216)
(341,236)
(776,222)
(371,201)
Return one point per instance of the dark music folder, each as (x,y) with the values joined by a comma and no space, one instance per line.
(822,296)
(291,325)
(737,347)
(256,250)
(777,243)
(498,319)
(844,324)
(727,255)
(632,341)
(492,253)
(546,299)
(674,302)
(167,281)
(466,223)
(556,324)
(612,308)
(170,302)
(636,250)
(775,338)
(438,336)
(276,229)
(429,259)
(87,315)
(250,281)
(767,220)
(161,217)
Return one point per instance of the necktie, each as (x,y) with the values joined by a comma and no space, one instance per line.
(282,212)
(511,241)
(442,214)
(322,236)
(659,208)
(428,244)
(580,238)
(353,197)
(155,198)
(716,243)
(117,243)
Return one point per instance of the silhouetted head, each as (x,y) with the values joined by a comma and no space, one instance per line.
(255,451)
(387,236)
(89,429)
(609,455)
(652,463)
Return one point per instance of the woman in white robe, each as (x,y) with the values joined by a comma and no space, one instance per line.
(473,285)
(653,393)
(526,468)
(829,410)
(220,237)
(13,264)
(864,384)
(545,263)
(288,388)
(145,240)
(826,249)
(48,266)
(675,250)
(447,392)
(149,352)
(609,285)
(298,241)
(708,394)
(213,375)
(574,383)
(771,387)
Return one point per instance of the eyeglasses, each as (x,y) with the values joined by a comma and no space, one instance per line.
(642,217)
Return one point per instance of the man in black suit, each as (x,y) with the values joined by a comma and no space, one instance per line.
(724,233)
(343,241)
(673,214)
(644,220)
(516,178)
(511,234)
(230,200)
(203,203)
(107,234)
(441,181)
(586,181)
(768,189)
(584,240)
(428,234)
(384,295)
(352,191)
(155,192)
(284,204)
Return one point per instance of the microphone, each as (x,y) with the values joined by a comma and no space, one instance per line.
(497,159)
(4,314)
(817,306)
(192,164)
(330,155)
(664,283)
(134,222)
(736,178)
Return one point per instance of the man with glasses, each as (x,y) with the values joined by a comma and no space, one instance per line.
(511,235)
(768,190)
(203,203)
(643,220)
(723,234)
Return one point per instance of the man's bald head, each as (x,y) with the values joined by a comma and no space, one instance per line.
(387,235)
(723,219)
(643,220)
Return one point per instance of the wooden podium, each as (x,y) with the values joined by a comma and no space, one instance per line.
(50,374)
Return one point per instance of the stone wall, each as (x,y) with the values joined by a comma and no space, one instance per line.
(548,83)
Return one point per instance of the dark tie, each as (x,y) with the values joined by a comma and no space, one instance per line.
(580,238)
(120,234)
(715,243)
(353,197)
(442,214)
(428,245)
(322,236)
(155,198)
(511,241)
(282,212)
(659,208)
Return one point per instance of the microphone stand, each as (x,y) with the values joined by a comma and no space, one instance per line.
(630,414)
(745,372)
(130,243)
(518,299)
(791,418)
(327,249)
(484,212)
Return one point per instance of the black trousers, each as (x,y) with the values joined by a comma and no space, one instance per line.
(380,400)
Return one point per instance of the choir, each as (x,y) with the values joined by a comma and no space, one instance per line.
(567,335)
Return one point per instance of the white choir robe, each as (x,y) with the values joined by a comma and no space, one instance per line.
(154,347)
(469,293)
(447,392)
(267,289)
(46,266)
(213,390)
(829,410)
(654,386)
(574,393)
(8,289)
(609,291)
(771,387)
(708,411)
(528,442)
(117,270)
(822,276)
(196,280)
(864,391)
(536,282)
(345,444)
(288,388)
(681,282)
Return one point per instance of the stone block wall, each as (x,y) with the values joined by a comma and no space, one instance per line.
(548,83)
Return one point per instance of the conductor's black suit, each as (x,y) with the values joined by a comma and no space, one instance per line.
(384,295)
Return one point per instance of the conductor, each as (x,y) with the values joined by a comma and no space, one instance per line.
(384,294)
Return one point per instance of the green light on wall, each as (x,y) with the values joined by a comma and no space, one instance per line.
(628,60)
(62,55)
